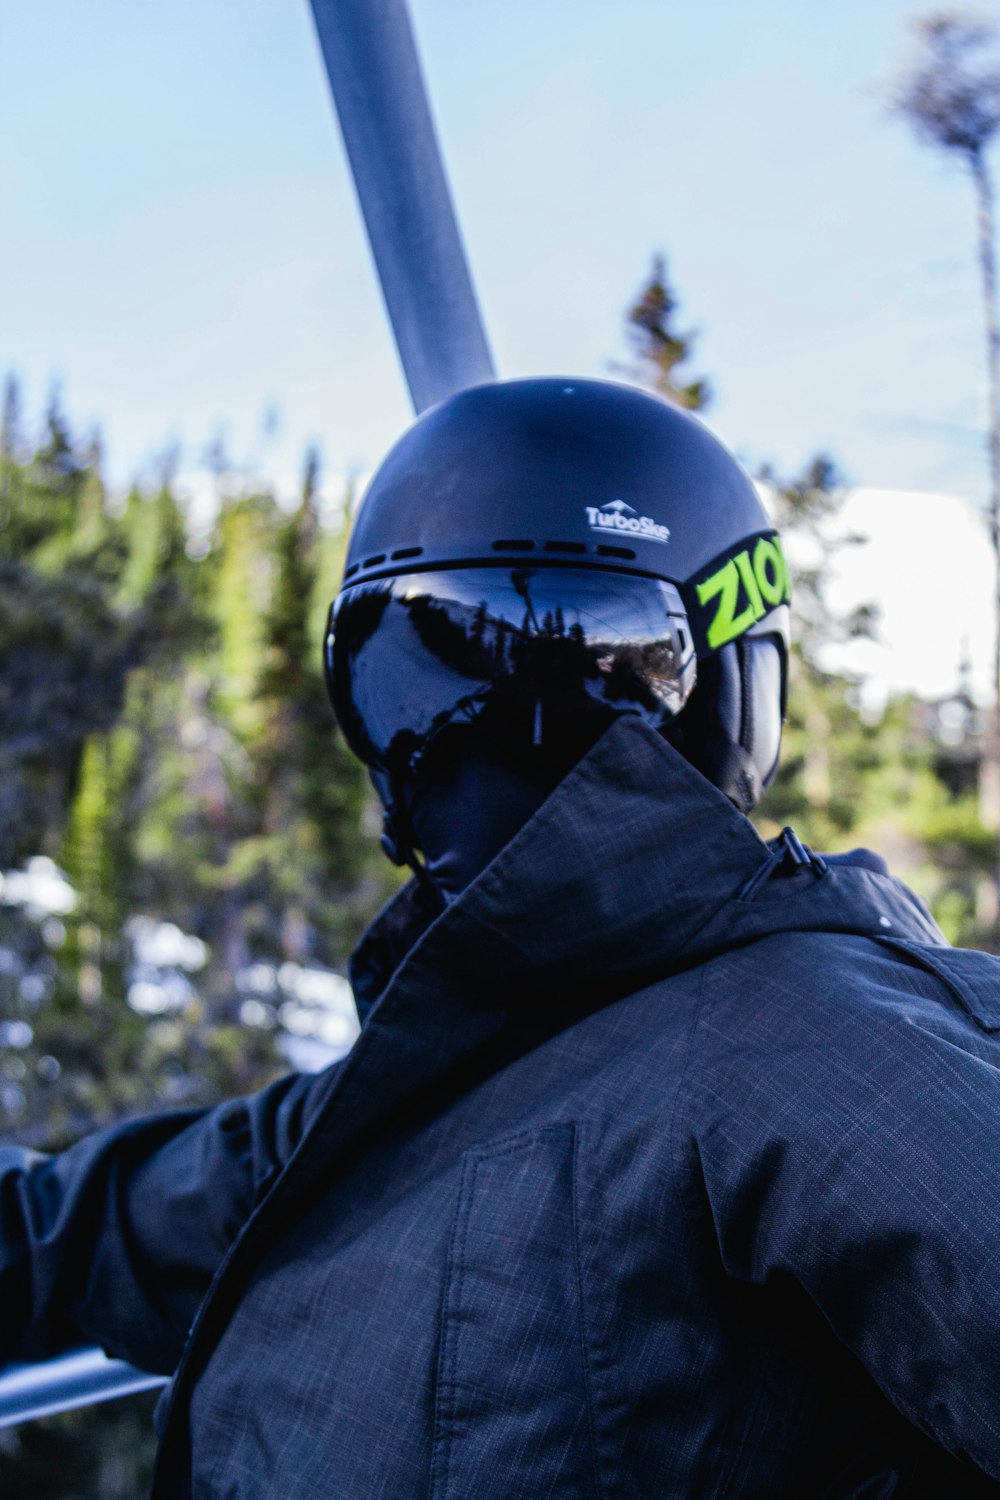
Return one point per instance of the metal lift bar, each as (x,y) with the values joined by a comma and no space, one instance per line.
(79,1379)
(378,90)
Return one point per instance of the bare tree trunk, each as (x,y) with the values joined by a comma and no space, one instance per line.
(986,234)
(986,240)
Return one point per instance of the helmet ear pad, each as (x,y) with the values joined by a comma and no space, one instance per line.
(730,728)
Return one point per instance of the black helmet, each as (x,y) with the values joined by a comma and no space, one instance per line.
(538,556)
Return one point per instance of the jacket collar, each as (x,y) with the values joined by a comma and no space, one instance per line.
(634,867)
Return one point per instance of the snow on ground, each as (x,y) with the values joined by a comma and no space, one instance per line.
(310,1007)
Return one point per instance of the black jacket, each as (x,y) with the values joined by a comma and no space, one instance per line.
(665,1166)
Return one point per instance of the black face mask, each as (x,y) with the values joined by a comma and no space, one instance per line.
(463,814)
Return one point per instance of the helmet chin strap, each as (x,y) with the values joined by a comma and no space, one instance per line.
(397,837)
(732,769)
(458,810)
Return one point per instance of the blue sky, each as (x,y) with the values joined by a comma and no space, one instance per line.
(182,250)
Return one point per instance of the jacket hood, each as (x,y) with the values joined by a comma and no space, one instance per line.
(634,867)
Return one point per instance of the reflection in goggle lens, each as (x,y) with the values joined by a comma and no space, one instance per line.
(408,656)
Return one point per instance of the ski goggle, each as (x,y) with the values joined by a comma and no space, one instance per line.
(528,651)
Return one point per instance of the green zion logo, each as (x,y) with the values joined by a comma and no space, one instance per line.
(744,589)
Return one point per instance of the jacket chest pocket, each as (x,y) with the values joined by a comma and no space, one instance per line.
(512,1412)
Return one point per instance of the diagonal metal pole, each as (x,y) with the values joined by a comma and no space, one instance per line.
(79,1379)
(385,118)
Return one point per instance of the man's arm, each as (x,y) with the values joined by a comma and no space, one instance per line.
(116,1240)
(846,1122)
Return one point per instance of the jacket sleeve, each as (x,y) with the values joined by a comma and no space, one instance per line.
(846,1125)
(116,1240)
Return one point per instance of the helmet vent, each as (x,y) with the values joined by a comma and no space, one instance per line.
(606,551)
(402,552)
(373,562)
(350,572)
(515,546)
(565,546)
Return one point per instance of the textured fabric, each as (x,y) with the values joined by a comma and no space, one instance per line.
(667,1165)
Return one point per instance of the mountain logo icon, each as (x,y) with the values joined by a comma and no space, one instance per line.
(619,507)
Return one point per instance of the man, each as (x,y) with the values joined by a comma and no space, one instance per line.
(667,1161)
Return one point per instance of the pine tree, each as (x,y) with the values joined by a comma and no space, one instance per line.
(10,446)
(11,434)
(659,349)
(98,857)
(314,791)
(240,580)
